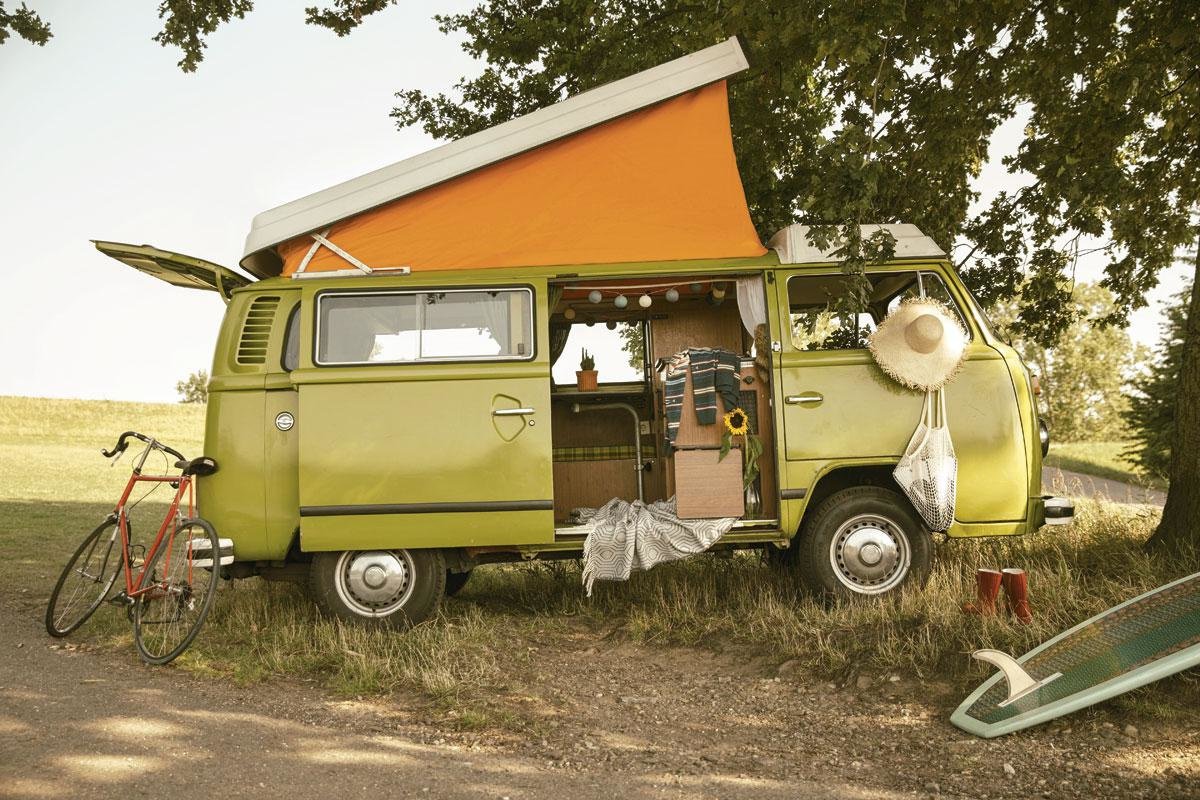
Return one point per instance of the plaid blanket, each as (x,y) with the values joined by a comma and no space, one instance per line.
(623,537)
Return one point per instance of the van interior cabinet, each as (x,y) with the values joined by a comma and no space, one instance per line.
(756,402)
(706,488)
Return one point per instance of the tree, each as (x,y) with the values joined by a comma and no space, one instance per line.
(187,23)
(883,112)
(24,23)
(1085,373)
(633,342)
(1151,414)
(194,388)
(852,114)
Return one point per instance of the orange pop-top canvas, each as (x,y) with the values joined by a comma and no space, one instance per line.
(659,184)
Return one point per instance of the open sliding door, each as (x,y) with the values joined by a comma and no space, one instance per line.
(424,417)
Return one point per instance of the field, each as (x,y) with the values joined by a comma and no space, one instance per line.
(1102,459)
(54,487)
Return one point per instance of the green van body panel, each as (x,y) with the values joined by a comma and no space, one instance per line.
(410,455)
(867,415)
(251,498)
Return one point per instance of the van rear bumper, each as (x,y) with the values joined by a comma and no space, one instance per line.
(1056,510)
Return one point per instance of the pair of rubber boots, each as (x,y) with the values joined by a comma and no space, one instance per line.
(1016,592)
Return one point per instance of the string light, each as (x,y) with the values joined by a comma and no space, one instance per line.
(644,301)
(621,301)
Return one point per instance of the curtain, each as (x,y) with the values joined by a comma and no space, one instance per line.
(559,332)
(752,303)
(497,318)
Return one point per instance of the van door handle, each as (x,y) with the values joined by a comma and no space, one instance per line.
(512,412)
(806,399)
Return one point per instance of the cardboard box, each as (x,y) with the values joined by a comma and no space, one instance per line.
(706,488)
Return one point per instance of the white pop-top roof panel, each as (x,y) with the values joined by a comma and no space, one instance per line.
(793,247)
(319,210)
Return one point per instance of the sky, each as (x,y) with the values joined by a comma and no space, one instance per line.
(103,137)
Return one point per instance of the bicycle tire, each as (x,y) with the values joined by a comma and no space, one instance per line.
(63,622)
(165,622)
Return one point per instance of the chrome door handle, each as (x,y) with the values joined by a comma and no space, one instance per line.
(512,412)
(806,399)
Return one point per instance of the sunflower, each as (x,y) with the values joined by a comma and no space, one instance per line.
(736,422)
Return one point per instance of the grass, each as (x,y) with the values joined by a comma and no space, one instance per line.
(1102,459)
(475,647)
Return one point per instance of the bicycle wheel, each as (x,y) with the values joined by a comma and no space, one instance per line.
(167,617)
(86,580)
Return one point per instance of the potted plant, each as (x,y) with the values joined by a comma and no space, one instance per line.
(586,376)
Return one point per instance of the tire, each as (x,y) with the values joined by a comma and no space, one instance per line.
(862,542)
(166,620)
(455,581)
(394,589)
(86,580)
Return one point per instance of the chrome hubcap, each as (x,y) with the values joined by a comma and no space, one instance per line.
(870,554)
(374,583)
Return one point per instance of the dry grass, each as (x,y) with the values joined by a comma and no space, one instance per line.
(476,645)
(1102,459)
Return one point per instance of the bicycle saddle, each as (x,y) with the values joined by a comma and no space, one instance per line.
(199,467)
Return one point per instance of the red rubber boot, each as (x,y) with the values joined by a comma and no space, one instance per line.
(987,587)
(1016,592)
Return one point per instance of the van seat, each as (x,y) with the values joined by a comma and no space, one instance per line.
(595,453)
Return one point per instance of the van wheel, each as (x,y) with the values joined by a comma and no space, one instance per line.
(865,541)
(392,588)
(455,581)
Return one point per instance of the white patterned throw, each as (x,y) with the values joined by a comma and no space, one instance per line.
(623,537)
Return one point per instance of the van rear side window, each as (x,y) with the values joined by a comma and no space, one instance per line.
(405,327)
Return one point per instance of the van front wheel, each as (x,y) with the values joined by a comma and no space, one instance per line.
(864,541)
(393,588)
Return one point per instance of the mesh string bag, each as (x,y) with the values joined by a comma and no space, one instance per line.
(928,470)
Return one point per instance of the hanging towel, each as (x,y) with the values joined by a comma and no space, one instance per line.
(704,388)
(673,388)
(714,372)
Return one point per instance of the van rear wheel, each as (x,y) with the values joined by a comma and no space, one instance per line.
(388,588)
(865,541)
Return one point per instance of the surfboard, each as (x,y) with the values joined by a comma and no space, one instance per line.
(1137,642)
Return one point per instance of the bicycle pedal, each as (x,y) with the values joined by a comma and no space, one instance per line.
(121,599)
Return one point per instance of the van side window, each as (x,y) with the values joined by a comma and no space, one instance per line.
(291,341)
(402,327)
(816,325)
(934,288)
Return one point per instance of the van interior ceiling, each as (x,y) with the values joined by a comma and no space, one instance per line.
(601,437)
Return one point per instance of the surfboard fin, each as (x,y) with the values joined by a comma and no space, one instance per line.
(1020,682)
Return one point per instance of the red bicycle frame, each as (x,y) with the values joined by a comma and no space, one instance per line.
(183,485)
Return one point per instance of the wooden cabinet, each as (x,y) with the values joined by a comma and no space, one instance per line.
(707,488)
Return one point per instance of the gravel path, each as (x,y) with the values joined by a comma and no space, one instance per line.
(598,720)
(1077,484)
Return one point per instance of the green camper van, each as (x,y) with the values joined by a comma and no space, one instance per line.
(382,404)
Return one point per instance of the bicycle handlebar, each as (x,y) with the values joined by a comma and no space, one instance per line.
(123,442)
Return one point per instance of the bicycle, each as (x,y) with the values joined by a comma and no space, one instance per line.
(168,590)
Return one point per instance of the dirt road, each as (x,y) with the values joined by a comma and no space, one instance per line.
(1077,484)
(598,721)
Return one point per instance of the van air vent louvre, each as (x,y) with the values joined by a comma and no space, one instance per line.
(256,330)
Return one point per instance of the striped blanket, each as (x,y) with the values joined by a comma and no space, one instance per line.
(714,372)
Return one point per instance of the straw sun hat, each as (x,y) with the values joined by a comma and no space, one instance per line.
(920,344)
